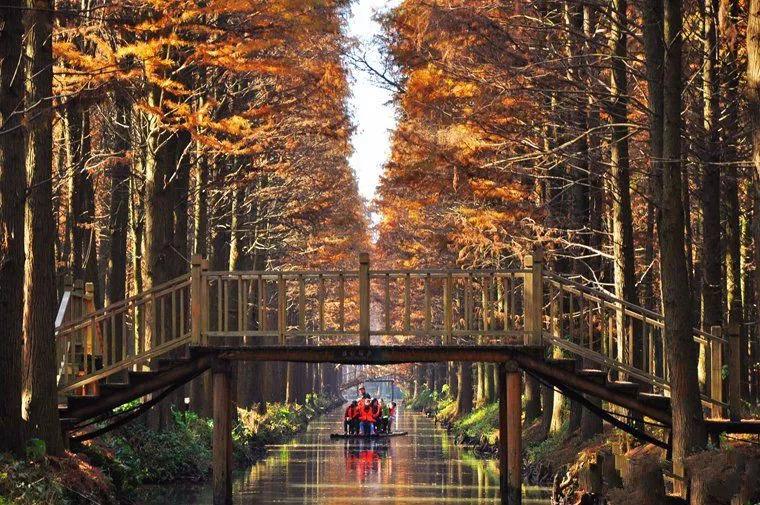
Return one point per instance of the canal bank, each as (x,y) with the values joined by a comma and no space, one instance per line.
(114,468)
(424,467)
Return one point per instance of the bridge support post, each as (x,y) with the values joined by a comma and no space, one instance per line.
(222,436)
(510,434)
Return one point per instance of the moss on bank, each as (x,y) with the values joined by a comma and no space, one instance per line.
(121,461)
(479,430)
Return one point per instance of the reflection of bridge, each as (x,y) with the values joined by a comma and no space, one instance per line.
(156,341)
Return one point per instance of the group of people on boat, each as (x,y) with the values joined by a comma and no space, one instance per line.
(368,416)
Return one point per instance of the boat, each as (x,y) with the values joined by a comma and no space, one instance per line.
(346,436)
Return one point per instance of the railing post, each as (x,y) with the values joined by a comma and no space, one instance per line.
(204,301)
(89,295)
(195,298)
(89,347)
(447,312)
(281,308)
(716,372)
(734,372)
(364,299)
(533,292)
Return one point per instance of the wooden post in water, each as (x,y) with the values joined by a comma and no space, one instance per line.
(510,434)
(716,372)
(364,300)
(222,437)
(734,372)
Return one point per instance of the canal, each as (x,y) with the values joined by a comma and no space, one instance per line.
(423,467)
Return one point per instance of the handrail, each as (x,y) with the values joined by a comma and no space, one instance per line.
(353,273)
(65,298)
(634,309)
(234,274)
(621,367)
(158,290)
(104,313)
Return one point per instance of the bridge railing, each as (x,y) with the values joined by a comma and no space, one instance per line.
(300,307)
(95,344)
(625,338)
(528,305)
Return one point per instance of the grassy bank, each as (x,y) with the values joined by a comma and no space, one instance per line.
(586,466)
(121,461)
(479,431)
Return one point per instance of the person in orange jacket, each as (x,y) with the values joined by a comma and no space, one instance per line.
(366,418)
(351,418)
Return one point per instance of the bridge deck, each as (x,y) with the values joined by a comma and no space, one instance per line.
(371,355)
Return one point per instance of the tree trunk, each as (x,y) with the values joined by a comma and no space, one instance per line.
(200,207)
(40,395)
(464,396)
(84,259)
(731,77)
(159,255)
(622,220)
(753,100)
(12,188)
(711,267)
(689,434)
(119,222)
(117,279)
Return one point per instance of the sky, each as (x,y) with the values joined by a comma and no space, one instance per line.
(370,104)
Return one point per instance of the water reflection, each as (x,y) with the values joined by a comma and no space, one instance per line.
(364,460)
(423,467)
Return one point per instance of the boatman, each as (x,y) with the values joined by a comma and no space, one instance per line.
(363,393)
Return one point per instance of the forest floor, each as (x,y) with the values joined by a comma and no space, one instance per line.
(110,469)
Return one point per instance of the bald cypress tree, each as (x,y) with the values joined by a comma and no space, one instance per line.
(40,392)
(12,186)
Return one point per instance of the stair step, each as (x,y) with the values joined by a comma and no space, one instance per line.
(76,402)
(599,376)
(564,363)
(109,389)
(655,401)
(141,377)
(624,387)
(166,363)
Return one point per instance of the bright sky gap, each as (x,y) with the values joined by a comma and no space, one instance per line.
(370,103)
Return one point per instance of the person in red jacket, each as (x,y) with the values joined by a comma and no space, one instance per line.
(366,418)
(351,418)
(391,416)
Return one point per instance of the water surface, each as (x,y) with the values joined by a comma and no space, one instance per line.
(423,467)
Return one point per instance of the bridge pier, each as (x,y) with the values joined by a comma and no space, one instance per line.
(222,436)
(510,433)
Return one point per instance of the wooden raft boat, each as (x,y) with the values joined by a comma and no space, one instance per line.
(345,436)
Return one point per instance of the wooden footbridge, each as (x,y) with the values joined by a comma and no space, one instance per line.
(152,343)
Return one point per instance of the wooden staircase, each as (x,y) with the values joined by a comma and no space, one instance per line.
(79,410)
